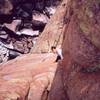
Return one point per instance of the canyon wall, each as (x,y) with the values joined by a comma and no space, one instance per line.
(78,75)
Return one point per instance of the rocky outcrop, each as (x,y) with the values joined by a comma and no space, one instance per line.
(21,23)
(79,71)
(28,77)
(53,32)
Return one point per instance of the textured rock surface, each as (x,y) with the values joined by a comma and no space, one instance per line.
(80,69)
(53,32)
(27,77)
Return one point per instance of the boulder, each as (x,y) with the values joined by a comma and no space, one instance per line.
(39,6)
(28,32)
(3,35)
(13,25)
(50,10)
(39,19)
(18,45)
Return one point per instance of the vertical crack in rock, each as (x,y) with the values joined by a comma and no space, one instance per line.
(26,97)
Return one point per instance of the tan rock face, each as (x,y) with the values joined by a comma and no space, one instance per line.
(27,77)
(53,32)
(80,69)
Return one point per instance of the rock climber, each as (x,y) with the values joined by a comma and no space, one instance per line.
(58,52)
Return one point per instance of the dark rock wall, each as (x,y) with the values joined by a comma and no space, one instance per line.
(82,34)
(81,50)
